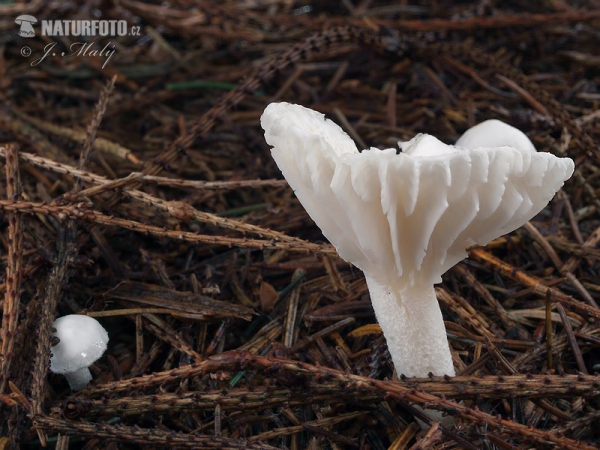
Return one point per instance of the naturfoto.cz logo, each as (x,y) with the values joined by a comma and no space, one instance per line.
(84,47)
(59,28)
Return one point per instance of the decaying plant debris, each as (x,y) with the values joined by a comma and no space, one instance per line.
(141,192)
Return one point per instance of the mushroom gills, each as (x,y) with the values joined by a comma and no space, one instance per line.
(405,219)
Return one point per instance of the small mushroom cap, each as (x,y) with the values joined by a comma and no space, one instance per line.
(82,341)
(413,214)
(25,18)
(495,133)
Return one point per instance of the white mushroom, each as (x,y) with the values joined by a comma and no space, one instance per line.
(495,133)
(404,219)
(82,340)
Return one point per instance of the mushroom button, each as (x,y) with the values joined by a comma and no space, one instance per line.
(404,219)
(81,341)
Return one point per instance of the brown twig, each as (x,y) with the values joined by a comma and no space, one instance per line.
(12,293)
(179,210)
(145,436)
(531,282)
(80,211)
(571,338)
(234,361)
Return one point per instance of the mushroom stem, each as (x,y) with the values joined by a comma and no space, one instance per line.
(79,379)
(412,324)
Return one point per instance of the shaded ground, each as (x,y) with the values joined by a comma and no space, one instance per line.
(232,323)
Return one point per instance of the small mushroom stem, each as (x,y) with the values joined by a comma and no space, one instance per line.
(79,379)
(412,324)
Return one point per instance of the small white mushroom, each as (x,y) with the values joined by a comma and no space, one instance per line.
(82,340)
(495,133)
(404,219)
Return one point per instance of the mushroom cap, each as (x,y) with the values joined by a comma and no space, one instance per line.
(25,18)
(413,214)
(82,341)
(495,133)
